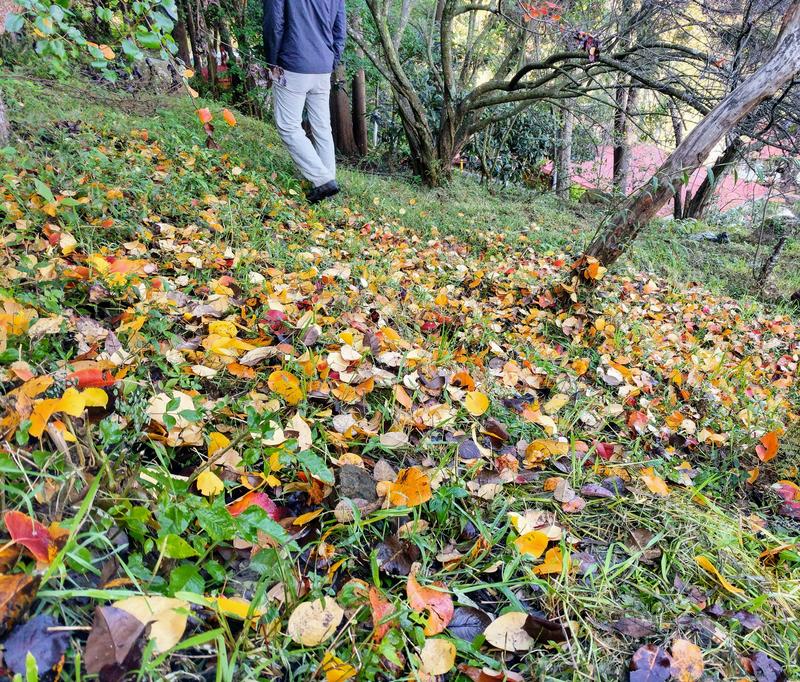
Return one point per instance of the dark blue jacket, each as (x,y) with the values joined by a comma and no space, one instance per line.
(304,36)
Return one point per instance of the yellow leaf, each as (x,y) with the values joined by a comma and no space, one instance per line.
(95,397)
(166,617)
(706,565)
(581,365)
(303,519)
(235,607)
(285,385)
(438,656)
(335,669)
(314,621)
(72,403)
(476,403)
(216,442)
(208,483)
(533,543)
(555,403)
(654,482)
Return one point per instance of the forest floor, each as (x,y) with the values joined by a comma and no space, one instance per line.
(359,441)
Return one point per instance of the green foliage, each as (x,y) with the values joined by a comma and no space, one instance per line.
(59,31)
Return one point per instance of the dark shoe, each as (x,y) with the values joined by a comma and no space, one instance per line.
(325,191)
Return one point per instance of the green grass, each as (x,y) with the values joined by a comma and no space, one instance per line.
(245,201)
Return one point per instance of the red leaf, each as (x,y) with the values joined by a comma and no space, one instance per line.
(380,609)
(93,377)
(31,534)
(436,602)
(261,499)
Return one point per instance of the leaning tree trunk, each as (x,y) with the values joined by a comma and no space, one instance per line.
(698,204)
(341,116)
(5,128)
(781,66)
(564,156)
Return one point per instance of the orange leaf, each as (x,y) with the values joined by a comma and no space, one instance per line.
(230,119)
(381,608)
(286,385)
(249,499)
(768,446)
(654,482)
(410,488)
(436,602)
(204,115)
(31,534)
(533,544)
(553,562)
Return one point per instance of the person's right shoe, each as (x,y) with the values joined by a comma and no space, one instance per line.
(325,191)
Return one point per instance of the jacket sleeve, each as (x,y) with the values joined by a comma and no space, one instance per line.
(339,33)
(273,29)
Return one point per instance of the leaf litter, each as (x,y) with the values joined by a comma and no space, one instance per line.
(295,417)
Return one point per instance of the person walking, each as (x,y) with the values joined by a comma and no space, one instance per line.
(303,42)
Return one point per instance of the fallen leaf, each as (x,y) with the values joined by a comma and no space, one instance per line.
(204,115)
(687,661)
(532,544)
(468,622)
(553,562)
(115,644)
(438,656)
(36,639)
(508,633)
(315,621)
(476,403)
(209,484)
(409,489)
(650,664)
(768,445)
(17,593)
(335,669)
(381,610)
(437,602)
(31,534)
(654,482)
(706,565)
(258,498)
(286,385)
(765,669)
(167,618)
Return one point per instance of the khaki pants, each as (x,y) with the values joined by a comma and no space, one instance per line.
(317,161)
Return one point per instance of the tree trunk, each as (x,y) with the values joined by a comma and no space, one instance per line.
(341,116)
(564,157)
(626,98)
(782,64)
(179,33)
(697,205)
(772,261)
(677,131)
(360,112)
(185,8)
(5,128)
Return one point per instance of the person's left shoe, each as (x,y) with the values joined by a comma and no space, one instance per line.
(325,191)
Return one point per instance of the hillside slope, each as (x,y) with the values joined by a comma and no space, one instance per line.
(350,437)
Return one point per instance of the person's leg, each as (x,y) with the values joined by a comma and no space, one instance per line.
(289,102)
(319,116)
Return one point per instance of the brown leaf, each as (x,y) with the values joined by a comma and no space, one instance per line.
(634,627)
(650,664)
(396,557)
(114,646)
(17,593)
